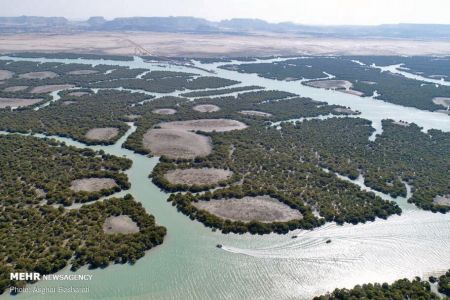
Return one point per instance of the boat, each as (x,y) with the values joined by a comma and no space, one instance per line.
(219,246)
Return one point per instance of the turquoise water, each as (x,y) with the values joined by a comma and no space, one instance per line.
(189,266)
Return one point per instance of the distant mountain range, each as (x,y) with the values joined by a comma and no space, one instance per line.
(25,24)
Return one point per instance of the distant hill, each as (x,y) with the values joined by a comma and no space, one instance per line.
(232,26)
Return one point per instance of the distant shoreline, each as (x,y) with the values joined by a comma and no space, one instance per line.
(214,45)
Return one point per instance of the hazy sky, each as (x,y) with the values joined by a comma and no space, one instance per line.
(298,11)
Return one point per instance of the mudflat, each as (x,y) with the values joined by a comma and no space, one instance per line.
(192,176)
(206,125)
(206,108)
(120,224)
(176,143)
(17,88)
(82,72)
(261,208)
(50,88)
(92,184)
(78,94)
(255,113)
(17,102)
(164,111)
(5,74)
(102,134)
(38,75)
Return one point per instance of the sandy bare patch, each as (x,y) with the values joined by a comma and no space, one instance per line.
(442,101)
(442,200)
(92,184)
(120,224)
(185,44)
(78,94)
(331,84)
(102,134)
(206,125)
(17,88)
(344,86)
(5,74)
(164,111)
(345,111)
(65,103)
(206,108)
(50,88)
(38,75)
(255,113)
(204,176)
(17,102)
(261,208)
(176,143)
(82,72)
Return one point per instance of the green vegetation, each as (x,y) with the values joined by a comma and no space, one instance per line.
(399,290)
(428,66)
(444,284)
(391,87)
(32,170)
(71,56)
(39,237)
(221,91)
(104,109)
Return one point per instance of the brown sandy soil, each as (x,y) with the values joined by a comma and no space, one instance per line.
(345,111)
(255,113)
(82,72)
(176,143)
(102,134)
(120,224)
(442,200)
(65,103)
(442,101)
(92,184)
(38,75)
(206,125)
(183,44)
(78,94)
(261,208)
(50,88)
(204,176)
(5,74)
(17,88)
(206,108)
(17,102)
(164,111)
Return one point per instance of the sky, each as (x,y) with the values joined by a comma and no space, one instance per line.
(324,12)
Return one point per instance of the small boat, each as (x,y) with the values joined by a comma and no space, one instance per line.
(219,246)
(328,241)
(294,237)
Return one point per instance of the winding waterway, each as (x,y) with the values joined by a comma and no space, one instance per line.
(189,266)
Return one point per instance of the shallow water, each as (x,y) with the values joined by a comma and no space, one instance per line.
(189,266)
